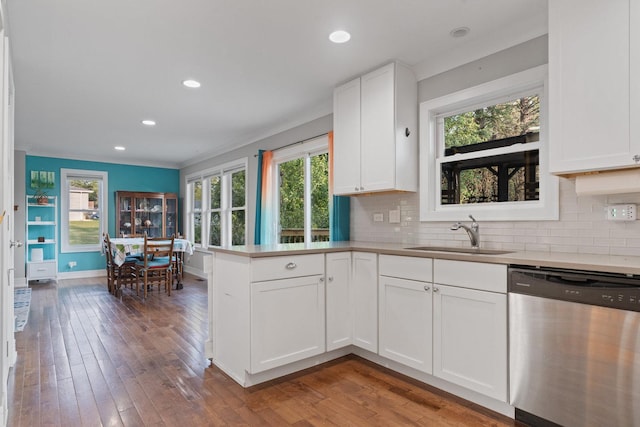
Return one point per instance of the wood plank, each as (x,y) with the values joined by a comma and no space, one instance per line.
(87,358)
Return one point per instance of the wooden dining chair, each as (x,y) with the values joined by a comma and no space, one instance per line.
(118,275)
(156,265)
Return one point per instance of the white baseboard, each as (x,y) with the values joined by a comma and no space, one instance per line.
(81,274)
(195,271)
(20,282)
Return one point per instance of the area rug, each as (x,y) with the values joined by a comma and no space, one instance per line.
(21,304)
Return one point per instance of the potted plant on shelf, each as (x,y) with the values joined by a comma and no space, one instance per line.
(41,197)
(41,181)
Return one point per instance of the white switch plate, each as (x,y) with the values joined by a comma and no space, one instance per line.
(394,216)
(625,212)
(378,217)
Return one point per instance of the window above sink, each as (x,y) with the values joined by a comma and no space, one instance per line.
(484,150)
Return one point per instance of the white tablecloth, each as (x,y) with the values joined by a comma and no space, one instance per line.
(123,246)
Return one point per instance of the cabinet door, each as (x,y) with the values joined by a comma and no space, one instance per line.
(287,321)
(346,138)
(378,144)
(338,284)
(470,339)
(406,322)
(365,300)
(589,85)
(125,214)
(171,215)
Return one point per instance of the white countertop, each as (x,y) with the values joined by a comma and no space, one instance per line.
(605,263)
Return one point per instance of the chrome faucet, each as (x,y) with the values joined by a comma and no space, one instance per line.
(473,231)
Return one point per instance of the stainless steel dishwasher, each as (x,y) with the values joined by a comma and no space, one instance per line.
(574,347)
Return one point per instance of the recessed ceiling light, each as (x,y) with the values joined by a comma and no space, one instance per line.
(339,36)
(191,83)
(119,148)
(459,32)
(149,122)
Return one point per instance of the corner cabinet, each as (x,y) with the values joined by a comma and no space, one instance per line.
(42,233)
(375,124)
(154,214)
(594,85)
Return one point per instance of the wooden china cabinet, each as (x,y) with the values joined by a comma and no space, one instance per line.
(155,214)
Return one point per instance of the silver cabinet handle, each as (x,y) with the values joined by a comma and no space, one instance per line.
(291,266)
(426,288)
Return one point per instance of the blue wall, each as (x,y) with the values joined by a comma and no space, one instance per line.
(121,178)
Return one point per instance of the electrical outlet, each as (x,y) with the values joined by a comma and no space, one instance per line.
(621,212)
(72,264)
(394,216)
(378,217)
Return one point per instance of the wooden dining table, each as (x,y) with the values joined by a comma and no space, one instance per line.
(121,247)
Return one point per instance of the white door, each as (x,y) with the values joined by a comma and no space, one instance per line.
(378,144)
(7,226)
(346,138)
(470,339)
(287,321)
(338,284)
(406,322)
(365,300)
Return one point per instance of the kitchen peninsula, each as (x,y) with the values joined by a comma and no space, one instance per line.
(279,309)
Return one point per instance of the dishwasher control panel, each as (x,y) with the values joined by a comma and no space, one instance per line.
(606,290)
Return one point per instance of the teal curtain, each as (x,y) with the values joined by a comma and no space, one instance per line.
(339,218)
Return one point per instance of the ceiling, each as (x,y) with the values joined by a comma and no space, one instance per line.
(87,72)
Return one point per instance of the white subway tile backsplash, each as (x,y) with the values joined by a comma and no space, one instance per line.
(582,227)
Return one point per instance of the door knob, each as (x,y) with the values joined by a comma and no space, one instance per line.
(15,244)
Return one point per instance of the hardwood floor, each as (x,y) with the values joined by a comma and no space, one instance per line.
(86,358)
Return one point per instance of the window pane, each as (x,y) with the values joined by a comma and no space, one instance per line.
(197,228)
(473,129)
(320,198)
(84,211)
(292,201)
(215,192)
(237,227)
(504,178)
(214,229)
(197,196)
(237,189)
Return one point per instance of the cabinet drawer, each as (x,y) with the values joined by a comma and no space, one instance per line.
(473,275)
(39,270)
(284,267)
(406,267)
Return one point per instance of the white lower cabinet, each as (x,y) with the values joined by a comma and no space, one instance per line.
(406,322)
(338,300)
(287,321)
(364,299)
(470,326)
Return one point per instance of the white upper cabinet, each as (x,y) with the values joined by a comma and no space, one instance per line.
(593,82)
(375,123)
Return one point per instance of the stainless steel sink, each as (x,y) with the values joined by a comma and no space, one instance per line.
(460,250)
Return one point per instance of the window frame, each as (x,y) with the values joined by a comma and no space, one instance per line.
(103,208)
(530,81)
(305,150)
(224,172)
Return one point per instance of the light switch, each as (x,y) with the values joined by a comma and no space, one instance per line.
(394,216)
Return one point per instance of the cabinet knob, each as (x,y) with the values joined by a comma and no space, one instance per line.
(356,189)
(330,278)
(426,288)
(436,290)
(291,266)
(361,188)
(636,158)
(321,279)
(407,132)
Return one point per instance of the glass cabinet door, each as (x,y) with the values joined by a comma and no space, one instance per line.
(125,214)
(171,216)
(148,216)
